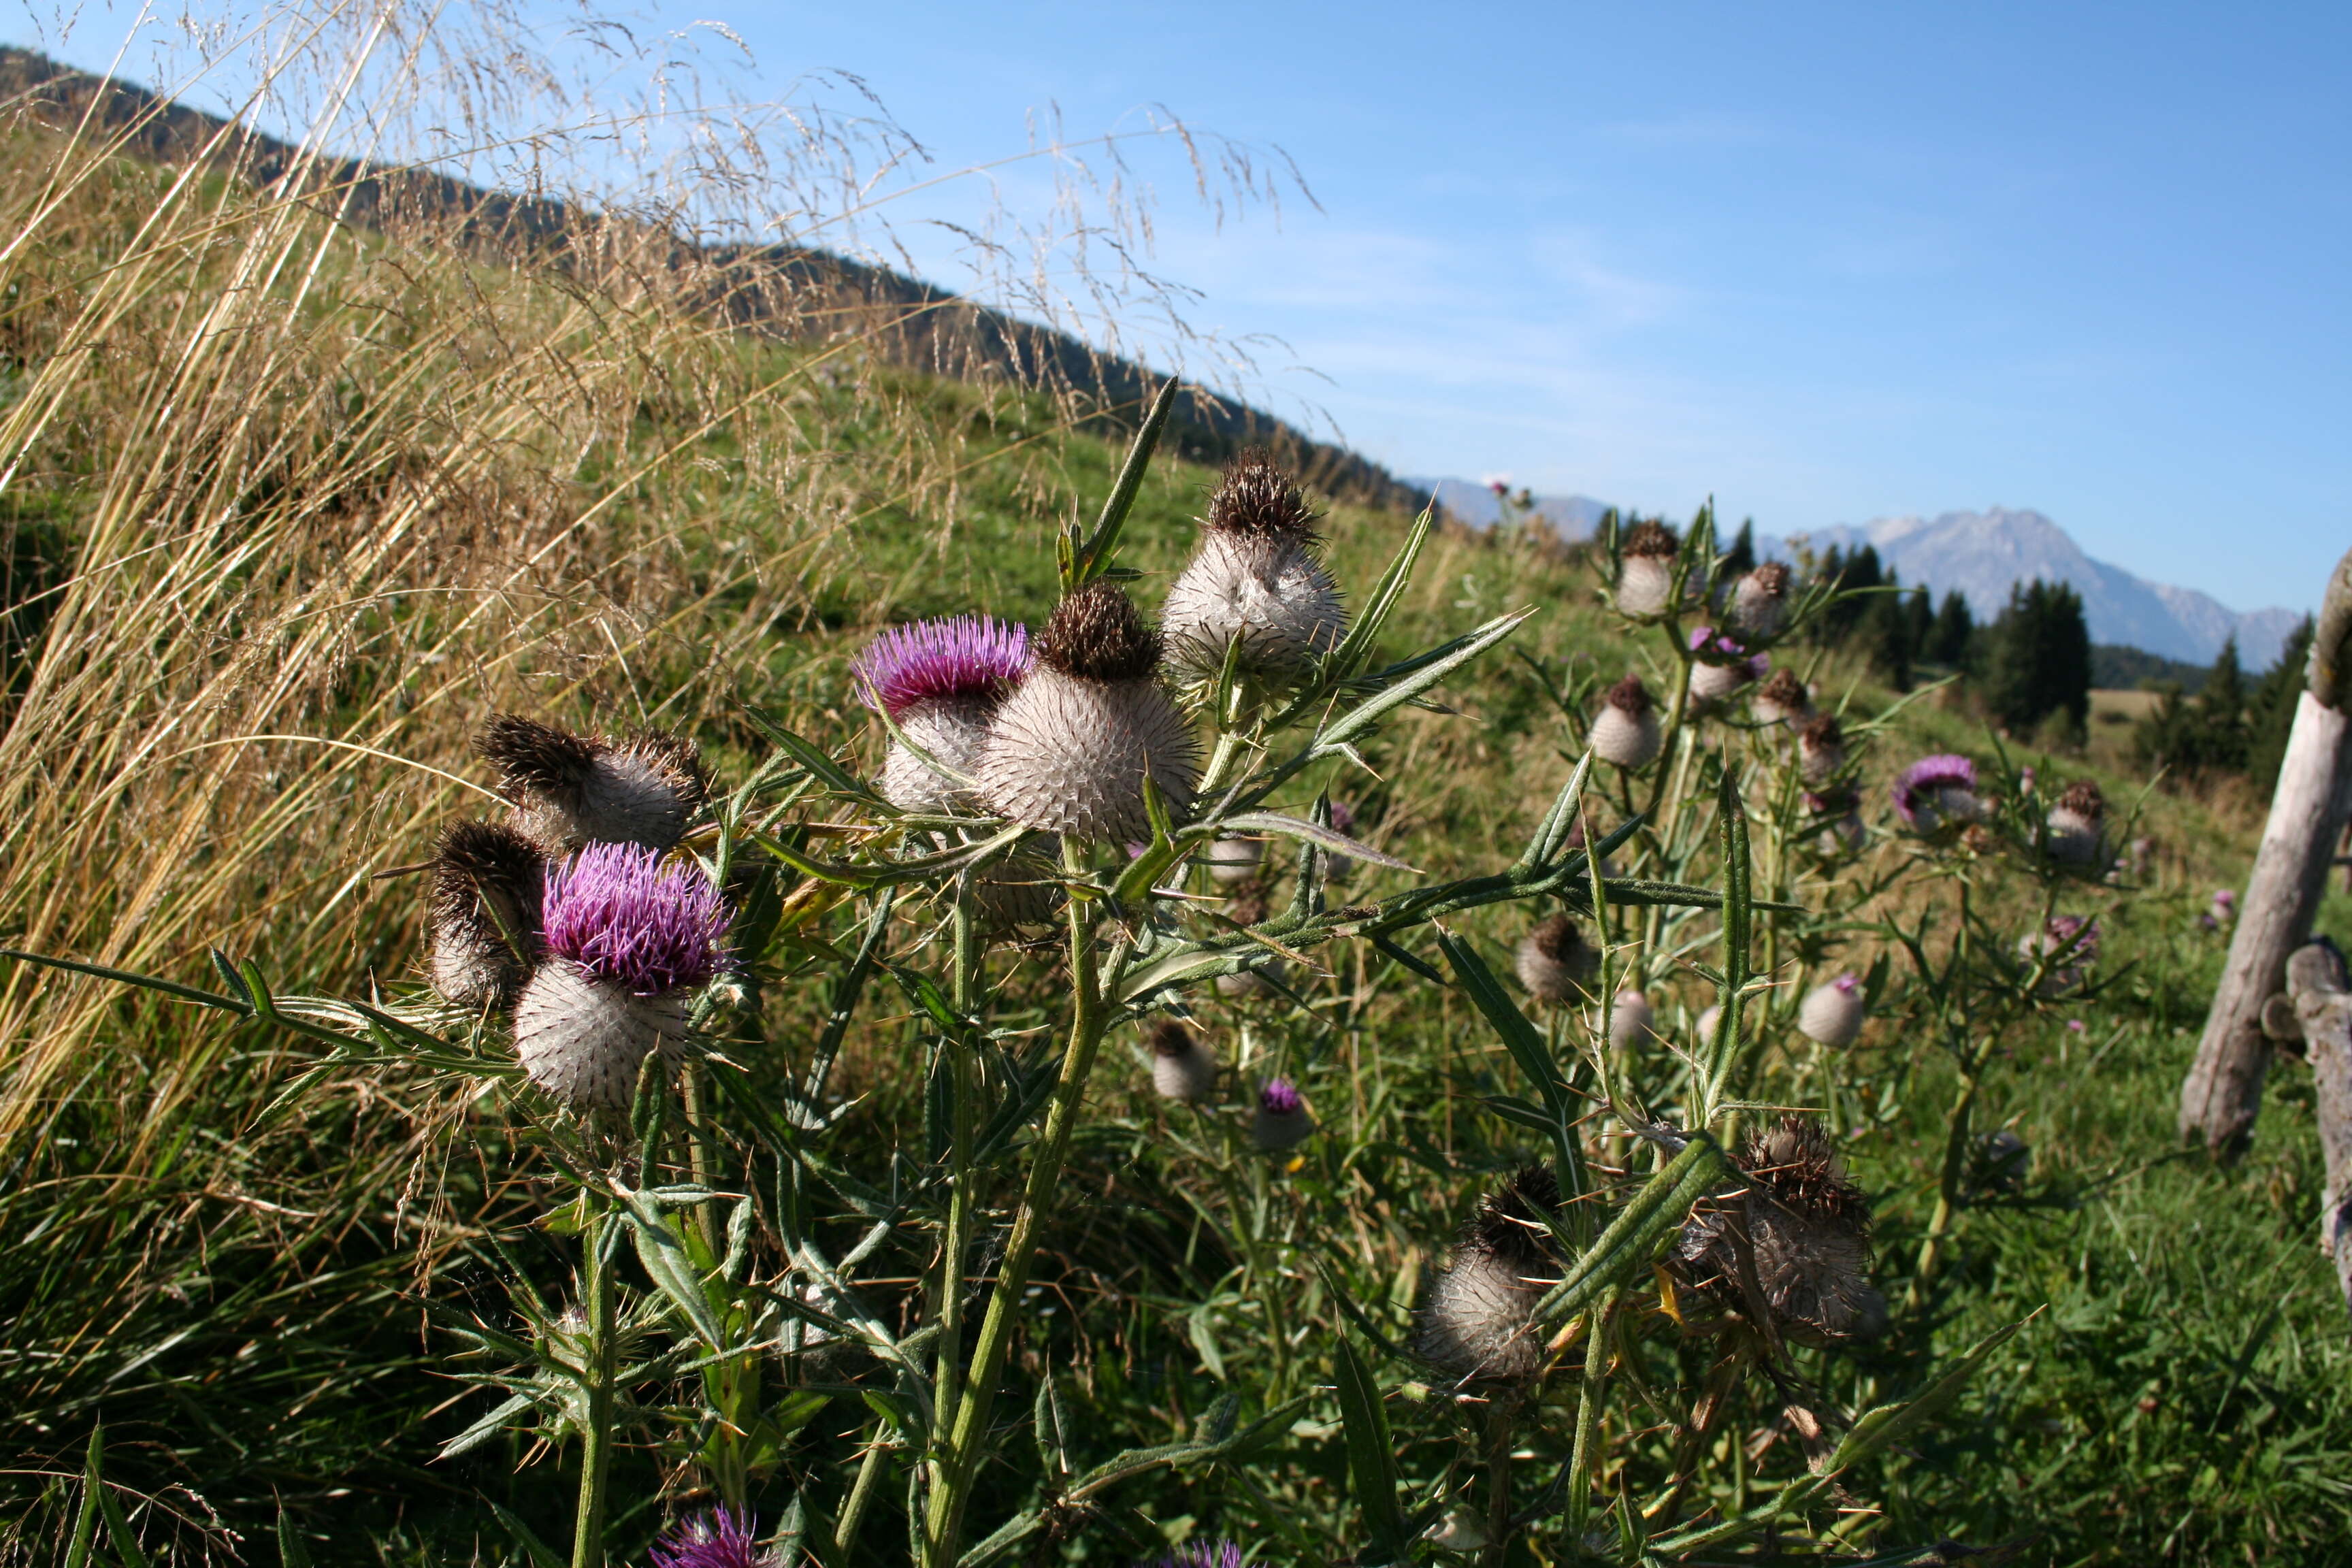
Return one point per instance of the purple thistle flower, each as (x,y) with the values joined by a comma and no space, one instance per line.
(2081,932)
(717,1540)
(1200,1554)
(1280,1098)
(960,656)
(623,916)
(1936,790)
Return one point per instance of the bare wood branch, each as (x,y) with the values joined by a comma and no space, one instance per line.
(2316,980)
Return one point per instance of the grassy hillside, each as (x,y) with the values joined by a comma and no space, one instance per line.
(294,509)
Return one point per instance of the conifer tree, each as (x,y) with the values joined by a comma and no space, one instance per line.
(2038,657)
(1742,556)
(1955,629)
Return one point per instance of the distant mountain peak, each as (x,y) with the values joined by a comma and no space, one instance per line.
(1981,555)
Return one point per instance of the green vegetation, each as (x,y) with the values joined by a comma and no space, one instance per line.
(309,503)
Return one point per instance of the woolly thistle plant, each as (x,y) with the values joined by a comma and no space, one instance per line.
(1282,1121)
(1476,1317)
(1782,700)
(1626,730)
(1645,570)
(627,941)
(1069,749)
(718,1539)
(940,682)
(1805,1228)
(2076,834)
(1833,1013)
(1725,666)
(1938,791)
(1554,961)
(1760,601)
(566,789)
(1182,1066)
(482,903)
(1254,590)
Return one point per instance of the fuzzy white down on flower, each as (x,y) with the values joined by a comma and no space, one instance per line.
(1645,584)
(1476,1320)
(1832,1014)
(1182,1067)
(583,1040)
(1760,600)
(1554,961)
(1069,755)
(1632,1019)
(1714,682)
(2074,836)
(1627,739)
(1267,593)
(953,730)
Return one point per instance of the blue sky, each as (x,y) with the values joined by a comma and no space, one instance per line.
(1824,262)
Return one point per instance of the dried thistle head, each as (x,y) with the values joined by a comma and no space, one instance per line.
(1256,498)
(482,897)
(2082,798)
(1793,1243)
(1629,697)
(1651,539)
(569,789)
(1097,634)
(1476,1317)
(1554,961)
(1182,1066)
(1254,590)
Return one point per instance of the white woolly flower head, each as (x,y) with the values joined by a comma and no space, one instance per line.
(1554,961)
(1626,730)
(1804,1228)
(1475,1319)
(482,897)
(568,789)
(628,939)
(940,681)
(2077,834)
(1782,700)
(1760,600)
(1232,860)
(1282,1121)
(1723,667)
(1632,1020)
(1253,586)
(1068,751)
(1820,749)
(1182,1066)
(1833,1013)
(1645,569)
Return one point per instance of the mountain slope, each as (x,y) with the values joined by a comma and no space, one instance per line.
(1982,555)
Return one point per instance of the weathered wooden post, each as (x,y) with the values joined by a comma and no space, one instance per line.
(2224,1088)
(2322,994)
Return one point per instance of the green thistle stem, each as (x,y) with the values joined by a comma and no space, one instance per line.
(943,1525)
(955,1244)
(597,1442)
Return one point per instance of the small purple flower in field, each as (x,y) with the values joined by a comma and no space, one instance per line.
(1254,587)
(2207,922)
(940,681)
(1833,1013)
(1625,731)
(2225,908)
(1645,574)
(1282,1119)
(2072,940)
(717,1540)
(1200,1554)
(1724,666)
(569,789)
(626,939)
(1068,752)
(1937,792)
(2075,1025)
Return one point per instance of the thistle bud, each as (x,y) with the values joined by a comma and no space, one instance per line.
(628,939)
(1475,1319)
(1254,584)
(1760,600)
(2072,940)
(719,1539)
(1833,1013)
(1232,860)
(1626,730)
(2076,834)
(567,790)
(941,682)
(1282,1121)
(1807,1234)
(1645,573)
(1938,791)
(1782,700)
(2002,1162)
(1182,1066)
(482,897)
(1632,1020)
(1068,751)
(1554,961)
(1820,749)
(1712,681)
